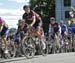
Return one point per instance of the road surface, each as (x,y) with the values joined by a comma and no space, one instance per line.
(52,58)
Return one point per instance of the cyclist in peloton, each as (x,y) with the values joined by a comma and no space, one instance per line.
(3,33)
(33,19)
(54,28)
(64,29)
(72,27)
(21,30)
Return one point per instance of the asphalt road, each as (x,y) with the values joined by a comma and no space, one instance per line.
(52,58)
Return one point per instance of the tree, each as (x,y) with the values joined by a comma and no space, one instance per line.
(33,3)
(47,6)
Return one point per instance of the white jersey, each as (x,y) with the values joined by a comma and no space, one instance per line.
(51,29)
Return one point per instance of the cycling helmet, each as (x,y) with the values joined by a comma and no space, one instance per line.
(26,7)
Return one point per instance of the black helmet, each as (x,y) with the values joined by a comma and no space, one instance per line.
(26,6)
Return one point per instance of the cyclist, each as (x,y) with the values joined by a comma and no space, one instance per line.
(3,33)
(54,27)
(64,32)
(33,19)
(64,29)
(22,28)
(71,27)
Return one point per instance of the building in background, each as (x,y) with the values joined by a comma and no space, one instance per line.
(63,7)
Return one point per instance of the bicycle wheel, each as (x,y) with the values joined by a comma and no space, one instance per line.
(28,47)
(11,48)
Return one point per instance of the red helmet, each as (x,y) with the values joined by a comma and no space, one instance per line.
(1,20)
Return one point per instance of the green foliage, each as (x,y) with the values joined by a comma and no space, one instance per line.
(47,9)
(33,3)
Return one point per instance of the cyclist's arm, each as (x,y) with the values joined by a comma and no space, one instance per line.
(59,29)
(3,24)
(23,17)
(6,25)
(37,17)
(66,29)
(1,27)
(49,28)
(34,20)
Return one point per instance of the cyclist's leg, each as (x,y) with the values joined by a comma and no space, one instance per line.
(43,39)
(4,34)
(40,33)
(4,38)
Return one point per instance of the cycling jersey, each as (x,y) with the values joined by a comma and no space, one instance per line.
(29,18)
(21,30)
(63,28)
(4,30)
(54,28)
(72,28)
